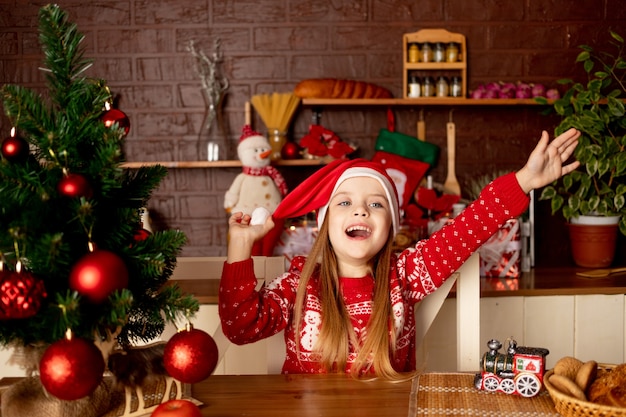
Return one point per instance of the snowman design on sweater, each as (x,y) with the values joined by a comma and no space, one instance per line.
(310,328)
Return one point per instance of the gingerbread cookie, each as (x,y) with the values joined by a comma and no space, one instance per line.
(568,367)
(586,374)
(567,386)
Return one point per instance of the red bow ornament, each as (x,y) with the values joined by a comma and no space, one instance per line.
(321,142)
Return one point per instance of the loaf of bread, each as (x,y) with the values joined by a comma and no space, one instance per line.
(334,88)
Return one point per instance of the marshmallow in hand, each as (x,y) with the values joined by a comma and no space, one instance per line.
(259,215)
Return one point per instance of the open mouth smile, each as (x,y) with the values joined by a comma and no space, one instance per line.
(358,231)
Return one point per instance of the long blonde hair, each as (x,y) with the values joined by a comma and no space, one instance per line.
(336,329)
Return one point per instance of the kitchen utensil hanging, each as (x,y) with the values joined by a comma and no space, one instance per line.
(451,184)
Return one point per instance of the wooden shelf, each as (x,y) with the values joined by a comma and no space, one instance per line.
(433,68)
(443,66)
(219,164)
(422,101)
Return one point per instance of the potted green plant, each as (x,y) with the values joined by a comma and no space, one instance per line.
(598,188)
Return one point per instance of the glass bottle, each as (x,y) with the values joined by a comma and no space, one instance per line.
(428,87)
(456,87)
(277,140)
(426,53)
(439,52)
(414,87)
(413,53)
(442,87)
(213,142)
(452,52)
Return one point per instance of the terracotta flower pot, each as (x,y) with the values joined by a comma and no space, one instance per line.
(593,245)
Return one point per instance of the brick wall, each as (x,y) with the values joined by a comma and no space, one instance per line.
(140,49)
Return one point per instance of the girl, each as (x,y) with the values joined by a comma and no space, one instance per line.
(348,306)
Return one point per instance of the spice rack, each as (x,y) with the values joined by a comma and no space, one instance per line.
(456,67)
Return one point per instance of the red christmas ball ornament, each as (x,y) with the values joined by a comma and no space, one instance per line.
(15,149)
(75,185)
(21,295)
(71,368)
(290,150)
(141,234)
(190,356)
(110,117)
(97,274)
(177,408)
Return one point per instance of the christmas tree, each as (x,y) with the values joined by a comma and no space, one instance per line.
(73,251)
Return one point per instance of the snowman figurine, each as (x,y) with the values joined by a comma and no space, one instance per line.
(258,189)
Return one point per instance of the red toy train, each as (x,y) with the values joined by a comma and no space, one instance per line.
(518,371)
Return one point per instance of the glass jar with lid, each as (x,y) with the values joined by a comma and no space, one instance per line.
(414,86)
(452,52)
(456,87)
(428,87)
(426,52)
(414,52)
(439,52)
(442,87)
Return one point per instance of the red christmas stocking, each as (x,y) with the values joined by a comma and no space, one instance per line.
(406,173)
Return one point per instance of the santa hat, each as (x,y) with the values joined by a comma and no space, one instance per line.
(247,132)
(315,192)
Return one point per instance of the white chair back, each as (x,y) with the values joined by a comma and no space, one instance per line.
(467,280)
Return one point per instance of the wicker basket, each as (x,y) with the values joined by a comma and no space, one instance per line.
(573,407)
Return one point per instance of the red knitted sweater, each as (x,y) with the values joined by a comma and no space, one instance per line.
(248,315)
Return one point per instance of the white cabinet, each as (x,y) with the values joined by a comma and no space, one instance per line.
(584,326)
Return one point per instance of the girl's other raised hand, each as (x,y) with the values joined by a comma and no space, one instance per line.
(546,162)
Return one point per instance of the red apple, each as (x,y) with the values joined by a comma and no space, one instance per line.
(176,408)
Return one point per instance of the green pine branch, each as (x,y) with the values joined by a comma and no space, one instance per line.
(64,60)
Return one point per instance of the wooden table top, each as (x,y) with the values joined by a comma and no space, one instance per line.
(336,395)
(301,395)
(430,394)
(339,395)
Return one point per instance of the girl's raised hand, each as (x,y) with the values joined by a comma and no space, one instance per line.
(242,235)
(545,163)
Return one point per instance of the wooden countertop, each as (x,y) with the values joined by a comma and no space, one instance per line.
(301,395)
(537,282)
(330,395)
(553,281)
